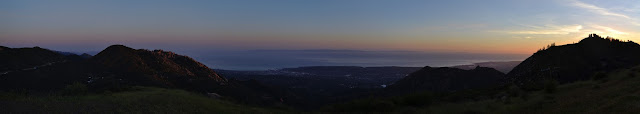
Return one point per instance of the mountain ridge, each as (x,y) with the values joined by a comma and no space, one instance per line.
(574,62)
(157,68)
(12,59)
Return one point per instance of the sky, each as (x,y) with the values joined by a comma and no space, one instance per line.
(478,26)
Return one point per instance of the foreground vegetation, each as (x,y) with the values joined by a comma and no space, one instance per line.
(613,92)
(135,100)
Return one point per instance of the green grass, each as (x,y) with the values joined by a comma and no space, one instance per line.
(138,100)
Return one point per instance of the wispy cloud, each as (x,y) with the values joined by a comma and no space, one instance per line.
(628,10)
(597,10)
(608,29)
(548,30)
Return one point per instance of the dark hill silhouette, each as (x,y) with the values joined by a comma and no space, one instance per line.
(12,59)
(445,79)
(119,67)
(157,67)
(504,67)
(167,69)
(38,69)
(85,56)
(573,62)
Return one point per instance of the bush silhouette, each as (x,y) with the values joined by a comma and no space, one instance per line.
(75,89)
(550,86)
(417,99)
(600,76)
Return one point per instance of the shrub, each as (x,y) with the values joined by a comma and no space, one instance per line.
(75,89)
(525,96)
(514,91)
(109,83)
(417,99)
(550,86)
(596,86)
(600,76)
(366,105)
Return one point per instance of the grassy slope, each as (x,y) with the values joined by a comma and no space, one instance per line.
(620,93)
(141,100)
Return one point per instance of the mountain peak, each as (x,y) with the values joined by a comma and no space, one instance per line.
(596,39)
(594,36)
(116,52)
(118,47)
(163,66)
(574,62)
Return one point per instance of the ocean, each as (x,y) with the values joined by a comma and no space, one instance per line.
(276,59)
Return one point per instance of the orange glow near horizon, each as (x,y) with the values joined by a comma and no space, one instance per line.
(433,26)
(493,45)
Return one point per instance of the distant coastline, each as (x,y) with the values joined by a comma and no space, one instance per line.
(271,60)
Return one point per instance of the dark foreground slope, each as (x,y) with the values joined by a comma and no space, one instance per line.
(573,62)
(135,100)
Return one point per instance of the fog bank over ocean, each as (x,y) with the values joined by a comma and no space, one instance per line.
(276,59)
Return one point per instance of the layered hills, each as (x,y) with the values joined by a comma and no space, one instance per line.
(12,59)
(117,68)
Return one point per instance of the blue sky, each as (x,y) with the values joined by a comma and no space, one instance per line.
(488,26)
